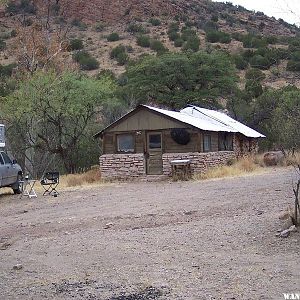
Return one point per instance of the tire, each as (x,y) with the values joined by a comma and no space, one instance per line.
(18,186)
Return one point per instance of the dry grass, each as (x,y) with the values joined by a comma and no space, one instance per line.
(240,167)
(292,160)
(89,177)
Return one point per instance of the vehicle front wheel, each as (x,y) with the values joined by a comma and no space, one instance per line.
(17,187)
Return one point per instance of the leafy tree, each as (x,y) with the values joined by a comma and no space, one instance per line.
(177,79)
(51,114)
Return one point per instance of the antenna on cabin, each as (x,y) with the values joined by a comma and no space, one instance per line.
(2,136)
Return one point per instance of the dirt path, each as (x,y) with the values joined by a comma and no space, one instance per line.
(185,240)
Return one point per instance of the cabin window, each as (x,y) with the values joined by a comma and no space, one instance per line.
(125,143)
(225,141)
(155,141)
(206,143)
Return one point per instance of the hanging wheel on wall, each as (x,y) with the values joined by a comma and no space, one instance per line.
(181,136)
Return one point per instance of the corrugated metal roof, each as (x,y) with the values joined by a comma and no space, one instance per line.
(209,120)
(223,119)
(204,123)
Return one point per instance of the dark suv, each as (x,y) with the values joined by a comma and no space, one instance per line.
(10,173)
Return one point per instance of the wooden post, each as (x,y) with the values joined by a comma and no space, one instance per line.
(296,193)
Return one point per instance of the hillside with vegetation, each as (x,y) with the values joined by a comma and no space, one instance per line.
(68,68)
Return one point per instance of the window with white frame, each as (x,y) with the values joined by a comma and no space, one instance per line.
(125,143)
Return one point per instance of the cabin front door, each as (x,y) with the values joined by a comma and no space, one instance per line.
(154,153)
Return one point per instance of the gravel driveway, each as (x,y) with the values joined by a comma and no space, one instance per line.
(212,239)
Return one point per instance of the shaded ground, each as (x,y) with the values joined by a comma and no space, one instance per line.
(184,240)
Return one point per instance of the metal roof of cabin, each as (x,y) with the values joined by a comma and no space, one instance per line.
(201,118)
(222,119)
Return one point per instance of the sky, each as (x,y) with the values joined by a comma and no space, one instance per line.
(288,10)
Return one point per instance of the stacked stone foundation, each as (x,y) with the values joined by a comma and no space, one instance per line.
(200,162)
(122,166)
(133,166)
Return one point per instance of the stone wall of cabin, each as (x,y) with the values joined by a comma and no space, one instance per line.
(122,166)
(243,146)
(125,166)
(200,162)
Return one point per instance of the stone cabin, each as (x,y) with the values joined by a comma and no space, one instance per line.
(147,140)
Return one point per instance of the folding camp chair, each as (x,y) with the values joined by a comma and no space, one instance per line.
(50,181)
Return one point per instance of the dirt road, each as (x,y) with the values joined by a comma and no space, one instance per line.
(170,240)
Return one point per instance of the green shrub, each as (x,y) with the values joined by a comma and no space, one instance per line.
(85,60)
(76,44)
(210,25)
(6,71)
(143,41)
(179,42)
(252,41)
(225,38)
(189,23)
(294,44)
(295,56)
(99,27)
(212,36)
(117,50)
(293,66)
(155,21)
(271,39)
(173,27)
(247,54)
(2,45)
(193,43)
(79,24)
(13,33)
(254,88)
(187,33)
(214,18)
(215,36)
(255,74)
(22,7)
(260,62)
(237,36)
(173,35)
(136,28)
(158,46)
(122,58)
(113,37)
(129,49)
(119,53)
(240,62)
